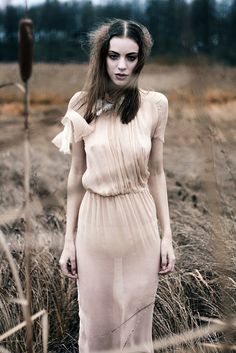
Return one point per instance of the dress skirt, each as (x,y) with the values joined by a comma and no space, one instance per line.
(118,259)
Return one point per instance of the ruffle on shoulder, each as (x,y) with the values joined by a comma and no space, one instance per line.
(75,129)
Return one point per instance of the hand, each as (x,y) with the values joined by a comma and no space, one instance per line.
(167,256)
(68,261)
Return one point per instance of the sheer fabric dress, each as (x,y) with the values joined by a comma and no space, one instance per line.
(117,241)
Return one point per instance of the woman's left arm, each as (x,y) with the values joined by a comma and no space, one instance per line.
(158,189)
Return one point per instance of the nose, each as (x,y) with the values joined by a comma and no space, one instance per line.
(122,64)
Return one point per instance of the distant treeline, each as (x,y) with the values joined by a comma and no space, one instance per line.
(179,29)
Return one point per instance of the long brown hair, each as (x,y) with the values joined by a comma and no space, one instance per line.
(98,84)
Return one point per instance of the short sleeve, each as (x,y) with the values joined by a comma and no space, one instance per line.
(161,103)
(75,128)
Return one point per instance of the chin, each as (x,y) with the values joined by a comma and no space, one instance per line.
(120,83)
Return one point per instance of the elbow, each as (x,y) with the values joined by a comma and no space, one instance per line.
(74,183)
(156,170)
(75,180)
(76,174)
(154,177)
(77,170)
(155,166)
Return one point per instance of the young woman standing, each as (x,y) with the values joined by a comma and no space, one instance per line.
(116,193)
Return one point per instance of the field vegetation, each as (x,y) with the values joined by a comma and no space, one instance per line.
(200,166)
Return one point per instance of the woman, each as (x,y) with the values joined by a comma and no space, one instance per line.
(116,193)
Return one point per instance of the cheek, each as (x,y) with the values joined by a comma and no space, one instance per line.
(110,65)
(132,65)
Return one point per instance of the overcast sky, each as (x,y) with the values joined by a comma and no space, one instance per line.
(3,3)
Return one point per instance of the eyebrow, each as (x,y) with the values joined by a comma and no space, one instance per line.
(112,51)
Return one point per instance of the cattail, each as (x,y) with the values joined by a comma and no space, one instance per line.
(25,48)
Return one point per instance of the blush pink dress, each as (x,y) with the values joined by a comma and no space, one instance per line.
(118,241)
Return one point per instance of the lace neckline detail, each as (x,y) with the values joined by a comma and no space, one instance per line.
(103,106)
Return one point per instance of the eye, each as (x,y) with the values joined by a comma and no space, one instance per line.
(113,56)
(132,58)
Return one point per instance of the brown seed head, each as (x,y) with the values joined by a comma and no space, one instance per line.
(25,48)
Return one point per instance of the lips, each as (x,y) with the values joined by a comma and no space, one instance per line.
(121,77)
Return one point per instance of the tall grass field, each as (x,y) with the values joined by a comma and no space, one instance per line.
(200,168)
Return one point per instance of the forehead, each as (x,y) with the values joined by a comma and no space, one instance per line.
(123,45)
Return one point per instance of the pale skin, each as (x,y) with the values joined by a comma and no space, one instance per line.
(122,58)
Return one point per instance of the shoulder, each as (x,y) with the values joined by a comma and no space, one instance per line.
(76,102)
(76,98)
(154,97)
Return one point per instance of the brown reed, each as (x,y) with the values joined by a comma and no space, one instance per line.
(25,48)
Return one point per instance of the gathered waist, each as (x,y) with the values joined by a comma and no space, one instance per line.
(119,224)
(124,193)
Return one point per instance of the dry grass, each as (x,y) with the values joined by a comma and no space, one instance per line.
(58,84)
(200,168)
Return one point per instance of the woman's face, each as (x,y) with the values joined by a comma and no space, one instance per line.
(122,57)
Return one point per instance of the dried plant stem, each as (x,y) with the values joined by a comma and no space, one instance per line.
(28,228)
(22,324)
(18,85)
(22,301)
(45,329)
(175,340)
(214,346)
(10,259)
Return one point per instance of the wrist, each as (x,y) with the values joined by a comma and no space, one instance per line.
(167,234)
(69,238)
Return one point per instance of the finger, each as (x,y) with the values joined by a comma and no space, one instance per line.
(72,276)
(164,273)
(169,262)
(163,261)
(73,267)
(70,272)
(66,270)
(167,269)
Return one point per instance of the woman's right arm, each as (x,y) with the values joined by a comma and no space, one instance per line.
(75,193)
